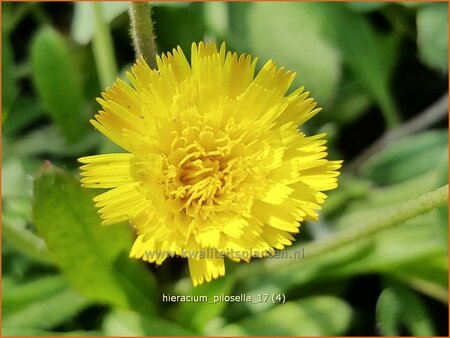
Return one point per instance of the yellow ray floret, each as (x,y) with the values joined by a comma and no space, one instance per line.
(215,165)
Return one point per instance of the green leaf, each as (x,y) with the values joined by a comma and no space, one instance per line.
(288,33)
(406,158)
(9,86)
(126,323)
(25,241)
(83,24)
(312,38)
(430,278)
(423,266)
(370,57)
(48,140)
(443,217)
(432,34)
(415,314)
(102,46)
(364,257)
(16,210)
(366,6)
(17,296)
(9,332)
(352,101)
(93,258)
(412,4)
(57,82)
(16,181)
(14,265)
(196,315)
(46,313)
(299,272)
(216,17)
(388,313)
(22,114)
(396,244)
(314,316)
(350,188)
(374,200)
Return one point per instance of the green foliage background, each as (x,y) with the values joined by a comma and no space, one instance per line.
(371,66)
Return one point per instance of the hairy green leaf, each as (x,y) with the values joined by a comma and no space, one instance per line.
(196,315)
(83,24)
(432,34)
(388,313)
(366,6)
(22,114)
(314,316)
(46,312)
(57,82)
(93,258)
(406,158)
(288,33)
(14,332)
(17,296)
(369,56)
(127,323)
(9,86)
(48,140)
(415,314)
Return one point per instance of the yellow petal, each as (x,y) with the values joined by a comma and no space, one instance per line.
(205,269)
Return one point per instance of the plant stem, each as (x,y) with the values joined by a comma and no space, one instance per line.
(25,241)
(390,113)
(142,32)
(12,20)
(103,48)
(41,16)
(388,219)
(434,113)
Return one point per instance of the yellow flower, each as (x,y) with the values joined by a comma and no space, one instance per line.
(215,164)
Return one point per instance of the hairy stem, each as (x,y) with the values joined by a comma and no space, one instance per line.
(388,219)
(25,241)
(14,18)
(434,113)
(142,32)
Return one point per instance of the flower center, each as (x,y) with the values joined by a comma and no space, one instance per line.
(204,168)
(203,179)
(206,171)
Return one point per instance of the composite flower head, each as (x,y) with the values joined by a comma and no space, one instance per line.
(214,164)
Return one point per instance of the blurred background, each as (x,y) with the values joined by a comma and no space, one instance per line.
(379,70)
